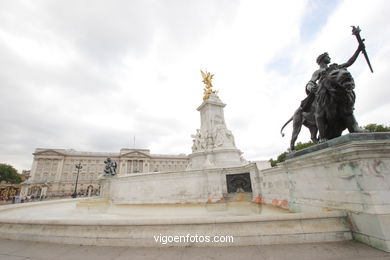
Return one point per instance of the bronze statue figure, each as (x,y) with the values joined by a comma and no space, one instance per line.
(110,168)
(328,107)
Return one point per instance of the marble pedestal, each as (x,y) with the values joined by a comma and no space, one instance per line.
(350,173)
(213,144)
(215,158)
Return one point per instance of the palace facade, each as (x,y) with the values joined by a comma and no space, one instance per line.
(54,173)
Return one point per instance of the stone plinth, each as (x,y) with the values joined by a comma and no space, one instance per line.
(213,144)
(350,173)
(185,187)
(97,222)
(215,158)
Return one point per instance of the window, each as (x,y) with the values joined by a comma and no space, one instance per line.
(45,176)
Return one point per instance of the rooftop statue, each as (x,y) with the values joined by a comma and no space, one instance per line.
(328,107)
(207,78)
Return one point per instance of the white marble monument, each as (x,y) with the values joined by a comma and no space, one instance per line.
(213,144)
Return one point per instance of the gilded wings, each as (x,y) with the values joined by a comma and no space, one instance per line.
(207,78)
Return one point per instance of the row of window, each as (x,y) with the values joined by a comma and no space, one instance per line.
(50,166)
(66,176)
(82,176)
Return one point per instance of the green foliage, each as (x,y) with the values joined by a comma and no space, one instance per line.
(273,162)
(9,174)
(377,128)
(301,146)
(282,156)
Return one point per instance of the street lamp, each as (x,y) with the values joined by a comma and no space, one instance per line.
(78,166)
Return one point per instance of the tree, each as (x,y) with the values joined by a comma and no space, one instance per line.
(9,174)
(377,128)
(282,156)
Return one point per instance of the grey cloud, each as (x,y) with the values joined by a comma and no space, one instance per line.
(104,32)
(107,32)
(375,95)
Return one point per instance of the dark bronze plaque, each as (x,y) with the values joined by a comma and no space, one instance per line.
(239,182)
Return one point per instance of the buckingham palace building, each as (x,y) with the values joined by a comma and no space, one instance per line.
(54,172)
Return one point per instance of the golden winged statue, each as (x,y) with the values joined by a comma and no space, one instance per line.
(207,77)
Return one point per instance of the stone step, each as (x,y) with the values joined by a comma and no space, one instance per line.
(244,230)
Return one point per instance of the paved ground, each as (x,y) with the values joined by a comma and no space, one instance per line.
(18,250)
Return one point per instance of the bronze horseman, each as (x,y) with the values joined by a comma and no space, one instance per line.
(328,107)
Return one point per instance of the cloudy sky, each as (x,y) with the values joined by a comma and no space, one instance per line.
(92,75)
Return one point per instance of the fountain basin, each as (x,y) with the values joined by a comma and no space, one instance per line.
(97,222)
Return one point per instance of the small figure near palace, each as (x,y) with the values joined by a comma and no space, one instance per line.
(329,105)
(110,169)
